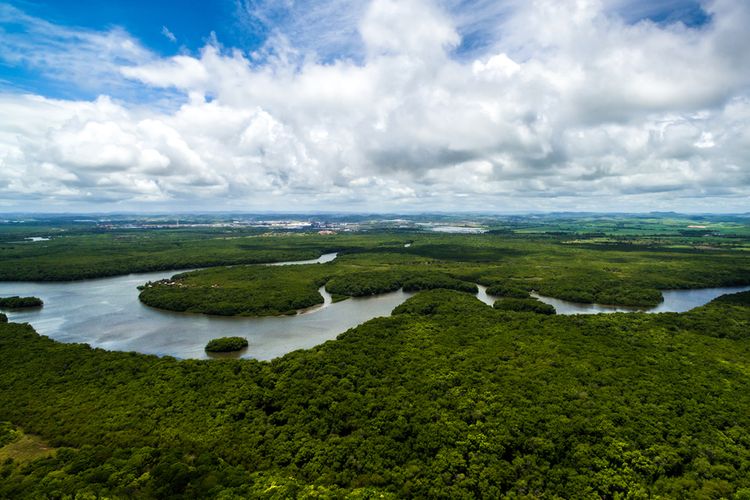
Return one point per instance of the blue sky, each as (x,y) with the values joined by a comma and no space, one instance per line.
(417,104)
(191,21)
(164,27)
(170,27)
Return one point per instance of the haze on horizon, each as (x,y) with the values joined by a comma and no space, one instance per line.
(382,105)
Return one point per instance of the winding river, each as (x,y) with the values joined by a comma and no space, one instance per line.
(106,313)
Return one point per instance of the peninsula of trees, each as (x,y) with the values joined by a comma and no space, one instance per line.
(17,302)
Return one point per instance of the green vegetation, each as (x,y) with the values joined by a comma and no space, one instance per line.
(80,249)
(506,290)
(447,398)
(17,302)
(15,446)
(241,290)
(8,433)
(74,257)
(226,344)
(510,267)
(273,290)
(3,318)
(358,284)
(524,305)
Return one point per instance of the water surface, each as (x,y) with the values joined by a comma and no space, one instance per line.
(674,301)
(106,313)
(458,229)
(326,257)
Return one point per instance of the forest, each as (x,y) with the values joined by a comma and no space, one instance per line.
(445,398)
(530,305)
(510,267)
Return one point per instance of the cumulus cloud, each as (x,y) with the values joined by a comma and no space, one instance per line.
(569,106)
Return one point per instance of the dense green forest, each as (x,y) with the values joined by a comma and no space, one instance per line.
(507,290)
(17,302)
(250,290)
(74,257)
(510,267)
(528,305)
(448,398)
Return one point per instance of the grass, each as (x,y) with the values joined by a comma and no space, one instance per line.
(26,448)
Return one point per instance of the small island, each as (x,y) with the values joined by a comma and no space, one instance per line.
(226,344)
(17,302)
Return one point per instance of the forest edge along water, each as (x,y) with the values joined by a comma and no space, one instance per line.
(106,313)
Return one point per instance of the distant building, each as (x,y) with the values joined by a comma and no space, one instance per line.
(326,231)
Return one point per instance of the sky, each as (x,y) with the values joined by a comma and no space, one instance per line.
(382,105)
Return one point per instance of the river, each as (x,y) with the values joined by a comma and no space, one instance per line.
(106,313)
(674,301)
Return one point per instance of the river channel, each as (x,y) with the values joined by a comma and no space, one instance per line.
(106,313)
(674,301)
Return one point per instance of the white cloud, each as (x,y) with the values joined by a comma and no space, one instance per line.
(168,34)
(573,107)
(85,59)
(413,28)
(181,72)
